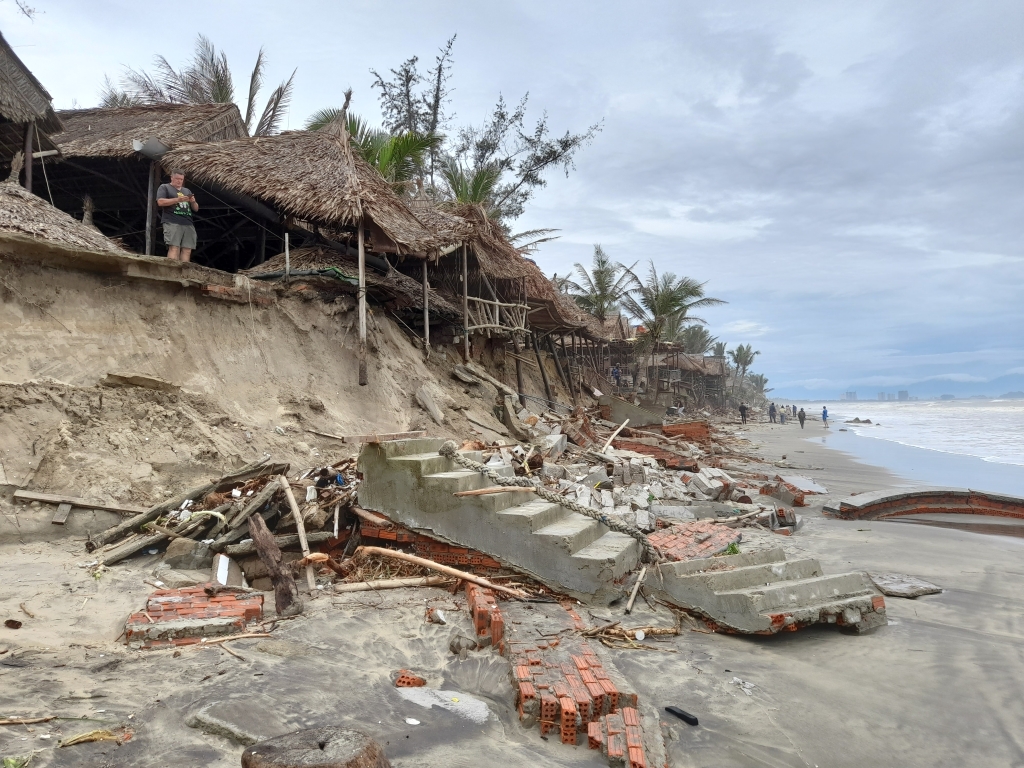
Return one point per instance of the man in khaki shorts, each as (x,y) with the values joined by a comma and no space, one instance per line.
(177,205)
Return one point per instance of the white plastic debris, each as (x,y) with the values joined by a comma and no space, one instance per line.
(640,635)
(746,687)
(412,721)
(236,493)
(279,430)
(311,493)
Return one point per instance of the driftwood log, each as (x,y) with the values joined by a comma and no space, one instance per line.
(445,569)
(300,529)
(286,594)
(135,523)
(234,527)
(289,540)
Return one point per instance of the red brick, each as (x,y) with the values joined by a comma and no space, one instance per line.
(630,716)
(633,736)
(636,758)
(878,602)
(595,735)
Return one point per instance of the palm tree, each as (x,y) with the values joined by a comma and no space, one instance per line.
(204,80)
(600,290)
(564,284)
(759,382)
(719,349)
(400,159)
(659,301)
(742,357)
(471,185)
(696,339)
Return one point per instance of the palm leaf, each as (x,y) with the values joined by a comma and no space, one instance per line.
(255,84)
(277,105)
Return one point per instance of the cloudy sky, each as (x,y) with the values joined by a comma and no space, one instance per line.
(848,176)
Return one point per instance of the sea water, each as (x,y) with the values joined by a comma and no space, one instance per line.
(968,443)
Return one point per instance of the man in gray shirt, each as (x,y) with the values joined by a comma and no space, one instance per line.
(177,205)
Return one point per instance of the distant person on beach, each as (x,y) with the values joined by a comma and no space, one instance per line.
(771,413)
(177,206)
(782,415)
(616,375)
(743,413)
(824,415)
(801,416)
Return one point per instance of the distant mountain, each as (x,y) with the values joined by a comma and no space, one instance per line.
(1018,395)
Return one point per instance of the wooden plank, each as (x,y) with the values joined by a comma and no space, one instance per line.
(378,438)
(300,529)
(60,498)
(61,515)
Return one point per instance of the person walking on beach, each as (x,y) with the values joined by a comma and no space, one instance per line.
(782,415)
(771,413)
(824,415)
(801,416)
(743,413)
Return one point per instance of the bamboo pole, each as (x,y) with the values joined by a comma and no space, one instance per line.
(426,312)
(422,561)
(465,302)
(543,370)
(614,435)
(301,530)
(28,155)
(362,307)
(150,206)
(519,370)
(636,589)
(413,581)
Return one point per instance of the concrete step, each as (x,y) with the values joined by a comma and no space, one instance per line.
(455,481)
(793,594)
(573,532)
(757,576)
(533,515)
(421,464)
(613,551)
(860,613)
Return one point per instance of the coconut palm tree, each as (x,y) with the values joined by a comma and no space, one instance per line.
(659,300)
(742,357)
(471,185)
(600,290)
(759,382)
(204,80)
(400,159)
(696,339)
(718,350)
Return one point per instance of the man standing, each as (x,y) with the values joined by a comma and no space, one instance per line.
(801,415)
(824,415)
(177,205)
(771,413)
(743,413)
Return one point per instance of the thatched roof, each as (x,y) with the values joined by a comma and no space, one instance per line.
(497,256)
(22,97)
(394,287)
(22,213)
(447,227)
(310,175)
(109,132)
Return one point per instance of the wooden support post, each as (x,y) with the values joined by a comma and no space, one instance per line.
(28,155)
(300,529)
(519,370)
(465,301)
(261,245)
(151,209)
(362,307)
(543,370)
(568,368)
(426,312)
(558,364)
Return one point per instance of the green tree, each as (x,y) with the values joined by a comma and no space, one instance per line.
(600,290)
(759,382)
(660,300)
(206,79)
(718,350)
(742,357)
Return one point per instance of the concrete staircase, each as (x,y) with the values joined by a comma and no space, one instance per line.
(409,482)
(763,593)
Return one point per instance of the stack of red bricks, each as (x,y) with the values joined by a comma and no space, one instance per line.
(424,546)
(488,621)
(689,541)
(186,616)
(619,737)
(668,458)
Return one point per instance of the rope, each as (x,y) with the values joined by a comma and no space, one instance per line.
(650,554)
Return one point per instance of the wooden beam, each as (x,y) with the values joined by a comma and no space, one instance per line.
(380,437)
(74,501)
(362,306)
(300,529)
(61,515)
(519,370)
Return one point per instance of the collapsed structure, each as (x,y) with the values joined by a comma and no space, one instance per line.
(565,490)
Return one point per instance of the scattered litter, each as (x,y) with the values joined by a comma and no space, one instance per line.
(682,715)
(412,721)
(746,687)
(463,705)
(12,624)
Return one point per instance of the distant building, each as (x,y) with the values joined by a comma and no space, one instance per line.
(881,396)
(903,395)
(890,396)
(850,396)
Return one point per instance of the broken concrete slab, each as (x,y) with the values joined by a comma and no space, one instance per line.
(188,555)
(427,403)
(804,484)
(325,747)
(247,719)
(902,585)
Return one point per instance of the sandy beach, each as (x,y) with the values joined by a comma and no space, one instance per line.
(938,686)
